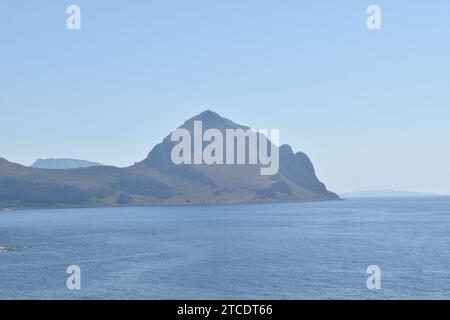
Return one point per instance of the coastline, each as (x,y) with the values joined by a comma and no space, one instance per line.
(192,204)
(208,204)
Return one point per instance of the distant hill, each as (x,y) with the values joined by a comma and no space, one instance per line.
(384,194)
(63,164)
(157,180)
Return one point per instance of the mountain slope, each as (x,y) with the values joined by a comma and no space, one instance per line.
(156,180)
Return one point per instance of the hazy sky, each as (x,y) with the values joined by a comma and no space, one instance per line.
(370,108)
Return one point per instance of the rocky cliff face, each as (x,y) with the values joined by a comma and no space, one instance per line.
(157,180)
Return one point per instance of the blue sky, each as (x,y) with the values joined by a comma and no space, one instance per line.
(371,108)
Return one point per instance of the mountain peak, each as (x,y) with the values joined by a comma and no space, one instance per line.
(159,180)
(212,119)
(208,114)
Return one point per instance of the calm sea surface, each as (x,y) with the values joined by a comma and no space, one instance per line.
(261,251)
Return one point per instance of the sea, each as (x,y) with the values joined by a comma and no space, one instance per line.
(319,250)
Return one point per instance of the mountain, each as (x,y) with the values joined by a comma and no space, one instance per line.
(63,164)
(158,181)
(385,194)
